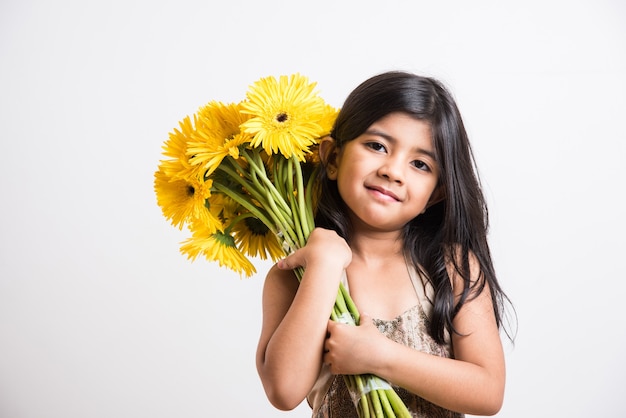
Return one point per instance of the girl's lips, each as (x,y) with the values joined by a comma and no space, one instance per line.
(384,192)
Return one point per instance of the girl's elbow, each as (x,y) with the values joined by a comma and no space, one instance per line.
(492,408)
(485,399)
(281,392)
(282,398)
(491,404)
(492,394)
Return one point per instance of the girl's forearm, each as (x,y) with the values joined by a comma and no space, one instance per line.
(293,355)
(453,384)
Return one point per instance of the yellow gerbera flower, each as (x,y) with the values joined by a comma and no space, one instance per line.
(286,115)
(175,147)
(216,246)
(217,135)
(184,199)
(222,206)
(255,239)
(328,119)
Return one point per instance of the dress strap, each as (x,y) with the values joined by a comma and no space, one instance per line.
(423,288)
(425,294)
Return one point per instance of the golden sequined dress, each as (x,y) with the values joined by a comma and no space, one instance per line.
(330,397)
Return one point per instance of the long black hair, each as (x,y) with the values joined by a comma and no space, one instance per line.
(451,230)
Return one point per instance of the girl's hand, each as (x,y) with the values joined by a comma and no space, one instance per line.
(350,349)
(323,246)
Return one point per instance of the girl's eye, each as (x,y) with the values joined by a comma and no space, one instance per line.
(376,146)
(421,165)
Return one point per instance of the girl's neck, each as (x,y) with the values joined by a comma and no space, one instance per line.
(376,247)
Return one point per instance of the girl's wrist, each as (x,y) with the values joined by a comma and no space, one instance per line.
(382,357)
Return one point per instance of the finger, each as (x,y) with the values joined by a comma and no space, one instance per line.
(283,264)
(288,263)
(329,327)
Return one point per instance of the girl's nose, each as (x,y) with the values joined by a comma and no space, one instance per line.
(392,170)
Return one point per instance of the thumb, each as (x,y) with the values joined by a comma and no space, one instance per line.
(288,263)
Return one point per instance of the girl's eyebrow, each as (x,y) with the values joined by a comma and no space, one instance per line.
(376,132)
(392,140)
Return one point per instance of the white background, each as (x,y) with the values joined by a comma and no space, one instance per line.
(101,317)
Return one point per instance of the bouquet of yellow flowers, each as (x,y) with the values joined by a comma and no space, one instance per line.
(241,178)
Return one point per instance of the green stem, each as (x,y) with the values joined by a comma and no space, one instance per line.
(268,198)
(340,302)
(378,409)
(273,196)
(299,271)
(261,194)
(249,186)
(302,209)
(350,305)
(309,198)
(358,382)
(275,226)
(238,219)
(288,227)
(243,201)
(294,208)
(279,177)
(386,405)
(397,404)
(255,167)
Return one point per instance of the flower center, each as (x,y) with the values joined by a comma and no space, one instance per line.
(256,227)
(190,191)
(282,117)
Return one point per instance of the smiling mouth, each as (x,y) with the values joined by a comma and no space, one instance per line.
(384,193)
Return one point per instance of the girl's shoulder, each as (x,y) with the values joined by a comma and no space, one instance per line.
(463,269)
(280,281)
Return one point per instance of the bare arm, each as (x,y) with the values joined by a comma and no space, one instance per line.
(472,382)
(295,318)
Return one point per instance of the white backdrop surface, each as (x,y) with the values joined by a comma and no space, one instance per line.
(101,317)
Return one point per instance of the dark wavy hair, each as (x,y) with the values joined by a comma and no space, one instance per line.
(450,230)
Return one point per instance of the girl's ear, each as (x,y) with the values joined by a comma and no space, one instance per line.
(328,156)
(437,196)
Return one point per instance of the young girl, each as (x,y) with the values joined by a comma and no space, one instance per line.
(402,222)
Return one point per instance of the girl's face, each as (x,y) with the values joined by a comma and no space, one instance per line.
(387,175)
